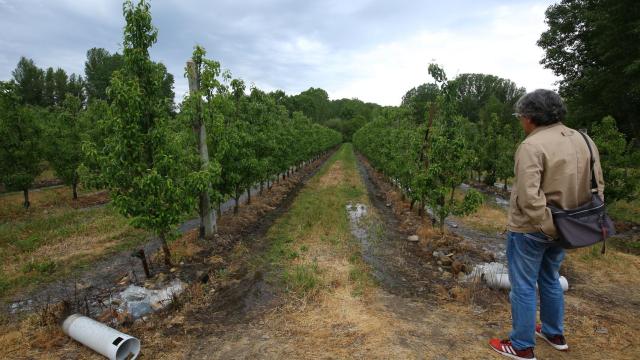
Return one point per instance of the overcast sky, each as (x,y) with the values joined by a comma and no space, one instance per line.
(373,50)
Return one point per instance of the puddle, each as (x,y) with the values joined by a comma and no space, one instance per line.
(387,253)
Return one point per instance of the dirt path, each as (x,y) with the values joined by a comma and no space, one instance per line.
(344,314)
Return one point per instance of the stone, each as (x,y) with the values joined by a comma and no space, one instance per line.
(177,320)
(445,260)
(413,238)
(457,267)
(462,276)
(160,278)
(388,204)
(446,275)
(602,331)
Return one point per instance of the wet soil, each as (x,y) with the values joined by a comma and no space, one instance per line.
(396,262)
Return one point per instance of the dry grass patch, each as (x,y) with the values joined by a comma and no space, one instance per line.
(487,219)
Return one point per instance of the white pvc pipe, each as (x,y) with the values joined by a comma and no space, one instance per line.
(102,339)
(501,281)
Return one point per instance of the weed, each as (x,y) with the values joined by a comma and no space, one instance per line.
(302,278)
(223,274)
(594,252)
(4,286)
(44,267)
(623,210)
(28,244)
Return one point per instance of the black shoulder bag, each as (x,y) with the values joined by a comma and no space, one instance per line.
(586,225)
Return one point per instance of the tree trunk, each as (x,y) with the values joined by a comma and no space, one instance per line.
(261,187)
(421,209)
(26,202)
(75,190)
(249,196)
(413,201)
(165,249)
(237,200)
(504,186)
(219,210)
(207,215)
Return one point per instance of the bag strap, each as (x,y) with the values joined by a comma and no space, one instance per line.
(592,161)
(594,189)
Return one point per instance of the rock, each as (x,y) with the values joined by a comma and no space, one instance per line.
(388,204)
(445,260)
(177,320)
(203,277)
(446,275)
(602,331)
(457,267)
(160,278)
(173,269)
(266,337)
(217,261)
(124,280)
(413,238)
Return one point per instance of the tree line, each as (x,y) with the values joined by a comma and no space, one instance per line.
(118,129)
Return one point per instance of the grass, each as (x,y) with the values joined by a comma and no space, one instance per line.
(317,225)
(53,238)
(302,278)
(625,210)
(489,218)
(47,174)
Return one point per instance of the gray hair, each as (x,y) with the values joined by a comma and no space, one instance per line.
(543,107)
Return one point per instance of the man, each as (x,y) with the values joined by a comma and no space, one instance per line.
(551,167)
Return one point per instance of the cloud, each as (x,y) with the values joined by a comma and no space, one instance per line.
(505,45)
(374,50)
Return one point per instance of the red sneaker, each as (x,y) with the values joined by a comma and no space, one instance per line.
(505,348)
(557,341)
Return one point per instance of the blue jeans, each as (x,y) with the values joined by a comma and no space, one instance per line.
(534,261)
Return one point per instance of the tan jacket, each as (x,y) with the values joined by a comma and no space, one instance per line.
(551,167)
